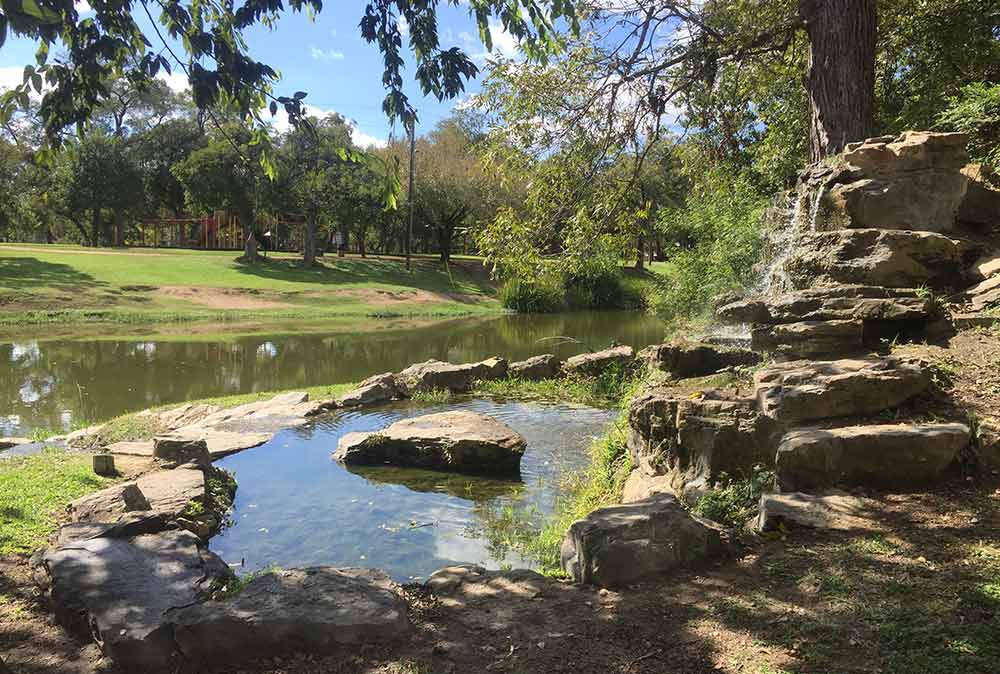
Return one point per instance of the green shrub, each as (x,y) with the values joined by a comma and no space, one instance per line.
(976,111)
(732,502)
(595,289)
(531,296)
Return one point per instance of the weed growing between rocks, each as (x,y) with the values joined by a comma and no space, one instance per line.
(733,501)
(608,389)
(435,396)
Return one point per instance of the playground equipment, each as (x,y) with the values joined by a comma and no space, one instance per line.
(219,231)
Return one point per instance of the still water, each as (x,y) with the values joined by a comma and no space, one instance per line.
(296,507)
(52,384)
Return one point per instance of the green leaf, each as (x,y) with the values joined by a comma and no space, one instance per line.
(274,108)
(3,30)
(36,82)
(43,15)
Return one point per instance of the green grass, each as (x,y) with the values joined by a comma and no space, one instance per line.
(606,390)
(33,492)
(66,284)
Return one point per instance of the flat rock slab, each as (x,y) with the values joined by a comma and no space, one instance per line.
(166,492)
(536,368)
(617,545)
(809,338)
(124,588)
(458,441)
(896,455)
(595,363)
(835,510)
(376,389)
(640,486)
(468,580)
(316,610)
(837,303)
(7,443)
(880,257)
(684,360)
(806,390)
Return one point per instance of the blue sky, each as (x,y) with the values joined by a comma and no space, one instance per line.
(327,58)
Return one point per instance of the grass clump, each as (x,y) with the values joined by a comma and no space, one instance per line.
(235,584)
(34,491)
(607,389)
(438,395)
(732,502)
(531,296)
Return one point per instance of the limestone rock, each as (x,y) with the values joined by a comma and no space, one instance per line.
(458,441)
(910,151)
(7,443)
(987,448)
(472,579)
(832,510)
(640,486)
(805,390)
(809,338)
(981,206)
(124,588)
(536,368)
(897,455)
(436,375)
(836,303)
(176,449)
(695,359)
(107,505)
(377,389)
(879,257)
(620,544)
(595,363)
(295,611)
(696,439)
(166,492)
(985,294)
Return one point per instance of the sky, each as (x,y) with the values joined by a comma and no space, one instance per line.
(327,58)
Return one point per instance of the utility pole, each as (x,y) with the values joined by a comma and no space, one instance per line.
(409,193)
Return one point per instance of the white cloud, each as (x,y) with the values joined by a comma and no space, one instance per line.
(11,76)
(326,54)
(504,44)
(177,80)
(363,140)
(403,25)
(83,7)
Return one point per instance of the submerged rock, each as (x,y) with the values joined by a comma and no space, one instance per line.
(536,368)
(123,590)
(458,441)
(880,257)
(596,363)
(620,544)
(891,455)
(806,390)
(295,611)
(695,359)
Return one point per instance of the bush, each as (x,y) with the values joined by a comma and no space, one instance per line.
(733,502)
(531,296)
(976,111)
(595,289)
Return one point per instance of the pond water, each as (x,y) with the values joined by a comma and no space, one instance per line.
(296,507)
(52,384)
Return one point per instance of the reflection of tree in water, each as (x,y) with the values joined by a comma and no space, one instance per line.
(508,526)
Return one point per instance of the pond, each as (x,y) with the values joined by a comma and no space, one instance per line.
(52,384)
(296,507)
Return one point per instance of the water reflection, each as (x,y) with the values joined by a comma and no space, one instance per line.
(44,383)
(297,507)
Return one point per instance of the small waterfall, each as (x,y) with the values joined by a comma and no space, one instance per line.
(800,216)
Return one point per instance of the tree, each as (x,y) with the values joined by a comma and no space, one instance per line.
(157,151)
(841,79)
(226,175)
(117,40)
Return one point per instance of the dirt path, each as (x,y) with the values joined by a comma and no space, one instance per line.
(922,595)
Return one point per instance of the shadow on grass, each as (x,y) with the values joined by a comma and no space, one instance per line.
(426,274)
(29,273)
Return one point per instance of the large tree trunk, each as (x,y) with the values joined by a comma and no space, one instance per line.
(309,245)
(249,238)
(640,252)
(119,227)
(95,227)
(841,80)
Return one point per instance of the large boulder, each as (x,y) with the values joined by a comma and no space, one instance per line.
(435,375)
(890,455)
(981,206)
(123,589)
(693,440)
(836,303)
(985,294)
(809,339)
(805,390)
(377,389)
(620,544)
(458,441)
(911,182)
(294,611)
(879,257)
(596,363)
(536,368)
(684,359)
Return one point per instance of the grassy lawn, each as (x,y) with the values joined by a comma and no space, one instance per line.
(33,492)
(55,284)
